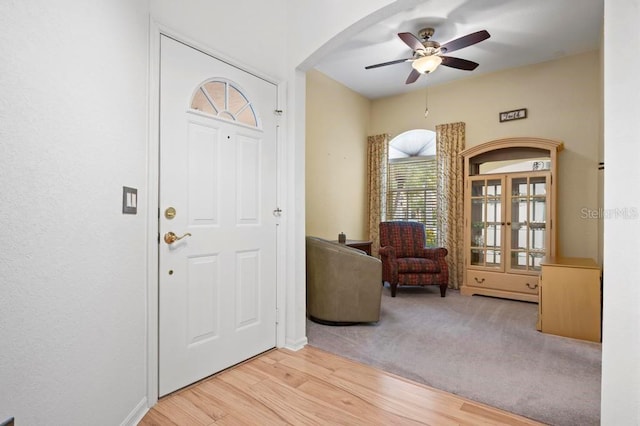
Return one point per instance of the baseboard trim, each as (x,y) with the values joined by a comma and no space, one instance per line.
(296,345)
(136,414)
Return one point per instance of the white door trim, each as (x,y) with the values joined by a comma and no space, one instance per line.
(283,231)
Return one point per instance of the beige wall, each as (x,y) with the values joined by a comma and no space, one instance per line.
(563,99)
(564,102)
(337,120)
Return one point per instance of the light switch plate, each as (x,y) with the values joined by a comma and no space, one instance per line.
(129,200)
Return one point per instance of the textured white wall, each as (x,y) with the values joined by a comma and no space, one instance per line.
(249,32)
(314,26)
(621,333)
(73,78)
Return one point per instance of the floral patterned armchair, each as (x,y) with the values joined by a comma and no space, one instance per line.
(406,260)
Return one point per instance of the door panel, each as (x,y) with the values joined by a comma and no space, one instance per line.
(203,289)
(529,218)
(247,288)
(248,178)
(203,174)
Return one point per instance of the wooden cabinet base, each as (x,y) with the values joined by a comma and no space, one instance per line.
(467,290)
(500,284)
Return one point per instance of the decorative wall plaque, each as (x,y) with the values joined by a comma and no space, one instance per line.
(516,114)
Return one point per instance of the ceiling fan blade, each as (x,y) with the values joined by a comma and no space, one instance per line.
(397,61)
(461,64)
(411,41)
(464,41)
(413,76)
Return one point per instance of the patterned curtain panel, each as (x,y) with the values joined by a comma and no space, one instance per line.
(449,143)
(378,159)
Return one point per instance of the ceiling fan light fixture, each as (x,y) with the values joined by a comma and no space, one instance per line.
(426,64)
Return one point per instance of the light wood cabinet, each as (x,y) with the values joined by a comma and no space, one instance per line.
(510,216)
(570,298)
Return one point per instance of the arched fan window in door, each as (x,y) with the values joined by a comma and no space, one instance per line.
(222,99)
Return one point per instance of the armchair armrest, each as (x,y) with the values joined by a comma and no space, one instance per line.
(432,253)
(389,264)
(387,251)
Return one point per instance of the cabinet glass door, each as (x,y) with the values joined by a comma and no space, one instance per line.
(527,219)
(486,223)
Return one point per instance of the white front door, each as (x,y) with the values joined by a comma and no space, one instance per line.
(217,282)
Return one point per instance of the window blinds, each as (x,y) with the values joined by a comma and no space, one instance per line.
(412,193)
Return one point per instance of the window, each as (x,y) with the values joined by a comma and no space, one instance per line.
(223,100)
(412,181)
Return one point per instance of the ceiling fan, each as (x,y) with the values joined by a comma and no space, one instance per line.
(427,54)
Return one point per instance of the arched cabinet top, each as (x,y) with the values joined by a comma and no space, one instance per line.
(506,143)
(510,149)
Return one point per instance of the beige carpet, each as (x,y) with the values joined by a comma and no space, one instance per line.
(482,348)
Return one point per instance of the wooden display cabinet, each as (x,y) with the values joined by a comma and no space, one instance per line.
(510,214)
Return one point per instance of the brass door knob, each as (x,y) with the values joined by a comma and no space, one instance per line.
(171,237)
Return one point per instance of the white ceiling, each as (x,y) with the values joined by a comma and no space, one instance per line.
(522,32)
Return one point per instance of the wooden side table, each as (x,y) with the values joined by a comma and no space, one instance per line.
(570,298)
(365,246)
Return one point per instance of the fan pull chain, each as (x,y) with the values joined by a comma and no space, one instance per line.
(426,102)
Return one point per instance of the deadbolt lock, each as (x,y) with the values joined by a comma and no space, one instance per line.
(170,213)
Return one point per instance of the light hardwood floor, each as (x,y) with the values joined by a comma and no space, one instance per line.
(313,387)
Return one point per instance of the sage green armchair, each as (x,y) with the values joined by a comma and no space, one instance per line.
(343,283)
